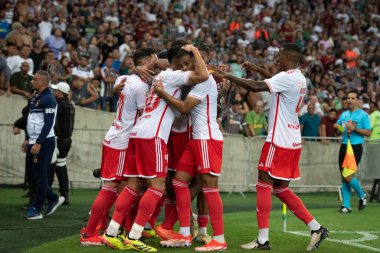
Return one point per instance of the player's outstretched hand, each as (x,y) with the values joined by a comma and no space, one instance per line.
(144,73)
(116,90)
(216,71)
(250,66)
(158,87)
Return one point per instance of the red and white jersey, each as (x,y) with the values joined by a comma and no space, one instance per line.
(203,115)
(158,117)
(288,90)
(181,124)
(132,98)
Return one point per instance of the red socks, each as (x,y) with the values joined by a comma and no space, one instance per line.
(124,204)
(294,203)
(147,206)
(182,195)
(263,203)
(203,221)
(131,215)
(215,207)
(100,208)
(153,220)
(171,215)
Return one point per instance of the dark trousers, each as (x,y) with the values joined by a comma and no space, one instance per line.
(59,167)
(38,168)
(112,103)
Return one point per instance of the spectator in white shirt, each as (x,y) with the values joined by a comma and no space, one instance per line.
(83,72)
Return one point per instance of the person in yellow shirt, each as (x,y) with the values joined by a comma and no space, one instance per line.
(375,122)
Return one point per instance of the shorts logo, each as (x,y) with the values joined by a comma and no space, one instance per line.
(261,164)
(199,167)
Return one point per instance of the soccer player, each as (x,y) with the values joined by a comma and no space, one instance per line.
(280,155)
(356,125)
(203,156)
(147,151)
(115,144)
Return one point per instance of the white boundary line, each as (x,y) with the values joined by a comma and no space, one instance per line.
(367,236)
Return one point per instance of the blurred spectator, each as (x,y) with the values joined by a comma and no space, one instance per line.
(56,43)
(327,128)
(232,121)
(109,75)
(5,74)
(83,71)
(45,26)
(4,27)
(14,62)
(310,122)
(14,37)
(256,122)
(83,94)
(37,55)
(375,122)
(21,81)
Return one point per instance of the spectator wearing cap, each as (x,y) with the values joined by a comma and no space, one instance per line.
(83,71)
(366,107)
(21,81)
(63,128)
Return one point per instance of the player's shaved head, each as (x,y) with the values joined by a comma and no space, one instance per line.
(141,54)
(293,52)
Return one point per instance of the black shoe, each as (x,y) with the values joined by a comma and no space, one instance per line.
(317,236)
(344,209)
(362,203)
(256,245)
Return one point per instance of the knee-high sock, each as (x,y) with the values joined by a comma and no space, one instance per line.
(183,199)
(346,194)
(294,203)
(356,186)
(106,197)
(203,223)
(148,204)
(263,208)
(131,215)
(124,204)
(215,206)
(153,219)
(171,215)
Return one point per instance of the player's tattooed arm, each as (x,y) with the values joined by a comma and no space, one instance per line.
(251,85)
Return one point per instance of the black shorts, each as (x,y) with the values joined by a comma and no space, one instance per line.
(358,151)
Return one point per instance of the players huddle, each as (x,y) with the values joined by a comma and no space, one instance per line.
(165,148)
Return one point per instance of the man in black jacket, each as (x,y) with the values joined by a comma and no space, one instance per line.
(63,130)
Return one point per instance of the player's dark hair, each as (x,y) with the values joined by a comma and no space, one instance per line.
(293,50)
(141,54)
(163,54)
(354,92)
(174,49)
(202,47)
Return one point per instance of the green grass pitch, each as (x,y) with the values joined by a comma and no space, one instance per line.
(354,232)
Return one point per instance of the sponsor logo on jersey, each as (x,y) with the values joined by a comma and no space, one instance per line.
(297,144)
(295,127)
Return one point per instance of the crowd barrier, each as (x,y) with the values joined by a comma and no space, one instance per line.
(319,161)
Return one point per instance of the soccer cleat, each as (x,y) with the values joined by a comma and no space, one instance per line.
(362,203)
(114,242)
(53,206)
(177,240)
(256,245)
(82,231)
(33,214)
(91,241)
(344,209)
(138,245)
(164,234)
(194,225)
(204,239)
(212,246)
(149,233)
(317,236)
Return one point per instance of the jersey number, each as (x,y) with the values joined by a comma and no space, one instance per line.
(152,102)
(299,104)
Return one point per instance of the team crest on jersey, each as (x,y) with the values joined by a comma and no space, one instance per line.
(37,102)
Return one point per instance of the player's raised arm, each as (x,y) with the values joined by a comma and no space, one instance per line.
(254,68)
(181,106)
(251,85)
(200,73)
